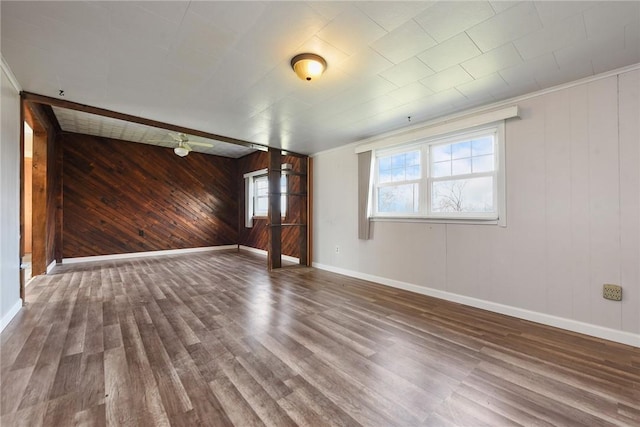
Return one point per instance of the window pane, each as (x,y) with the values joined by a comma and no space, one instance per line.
(413,172)
(460,150)
(483,163)
(462,166)
(397,161)
(412,158)
(261,206)
(384,163)
(463,195)
(398,199)
(398,175)
(440,153)
(441,169)
(384,176)
(399,167)
(482,146)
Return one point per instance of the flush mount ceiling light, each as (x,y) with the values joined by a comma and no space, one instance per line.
(308,66)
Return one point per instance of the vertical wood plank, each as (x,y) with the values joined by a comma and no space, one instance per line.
(604,185)
(557,141)
(629,106)
(580,194)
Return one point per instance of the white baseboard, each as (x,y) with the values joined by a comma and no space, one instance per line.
(263,252)
(10,314)
(51,266)
(145,254)
(534,316)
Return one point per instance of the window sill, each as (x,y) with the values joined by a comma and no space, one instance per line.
(466,221)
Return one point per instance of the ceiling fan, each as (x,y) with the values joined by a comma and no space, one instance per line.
(184,145)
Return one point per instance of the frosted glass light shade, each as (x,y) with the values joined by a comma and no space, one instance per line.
(181,151)
(308,66)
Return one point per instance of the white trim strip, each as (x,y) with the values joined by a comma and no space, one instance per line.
(12,77)
(263,252)
(627,338)
(51,266)
(7,318)
(441,128)
(146,254)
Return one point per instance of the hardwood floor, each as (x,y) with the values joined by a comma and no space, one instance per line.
(214,339)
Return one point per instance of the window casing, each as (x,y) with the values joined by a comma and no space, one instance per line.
(457,177)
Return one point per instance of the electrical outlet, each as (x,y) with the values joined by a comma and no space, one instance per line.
(337,249)
(612,292)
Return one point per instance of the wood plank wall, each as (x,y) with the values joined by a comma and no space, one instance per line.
(122,197)
(258,235)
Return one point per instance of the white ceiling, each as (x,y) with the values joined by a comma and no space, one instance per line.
(223,67)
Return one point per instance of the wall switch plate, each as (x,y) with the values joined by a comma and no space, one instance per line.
(612,292)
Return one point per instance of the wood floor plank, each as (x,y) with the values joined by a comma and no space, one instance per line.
(214,339)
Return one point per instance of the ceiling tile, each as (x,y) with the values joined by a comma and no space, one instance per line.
(483,88)
(447,79)
(576,70)
(280,30)
(502,5)
(410,93)
(449,53)
(390,15)
(552,12)
(407,72)
(526,72)
(366,63)
(497,59)
(351,31)
(140,26)
(445,19)
(169,10)
(506,26)
(609,16)
(328,9)
(588,47)
(449,97)
(404,42)
(548,39)
(238,17)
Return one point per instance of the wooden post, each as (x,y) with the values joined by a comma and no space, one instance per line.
(274,214)
(302,239)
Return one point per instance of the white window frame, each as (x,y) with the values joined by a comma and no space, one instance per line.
(425,211)
(250,196)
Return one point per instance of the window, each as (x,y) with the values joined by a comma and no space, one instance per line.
(257,195)
(455,177)
(261,195)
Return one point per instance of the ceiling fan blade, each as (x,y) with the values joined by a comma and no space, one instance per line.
(201,144)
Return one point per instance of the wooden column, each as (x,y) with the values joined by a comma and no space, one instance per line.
(304,208)
(39,203)
(274,214)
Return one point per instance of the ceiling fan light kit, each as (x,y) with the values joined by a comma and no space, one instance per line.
(181,151)
(308,66)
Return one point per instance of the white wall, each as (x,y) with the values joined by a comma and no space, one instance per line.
(573,219)
(10,301)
